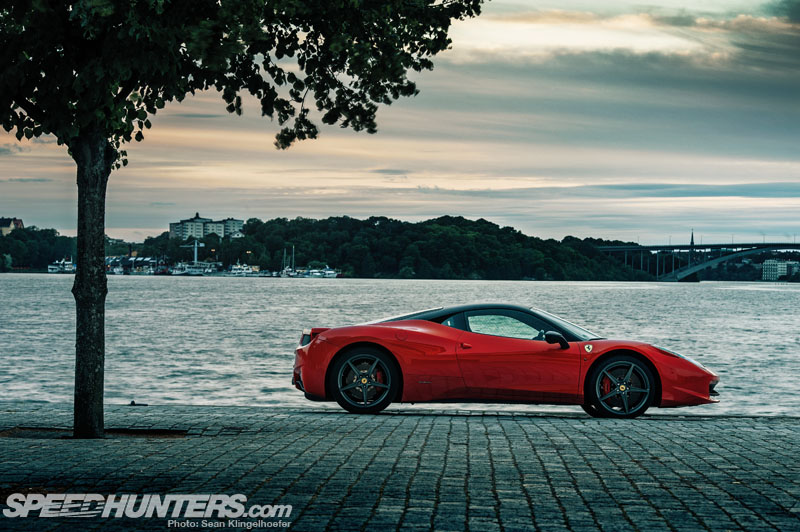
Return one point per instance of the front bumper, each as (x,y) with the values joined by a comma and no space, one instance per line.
(711,391)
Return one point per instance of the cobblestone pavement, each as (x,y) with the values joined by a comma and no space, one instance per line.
(421,469)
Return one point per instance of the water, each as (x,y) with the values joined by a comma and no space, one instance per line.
(230,341)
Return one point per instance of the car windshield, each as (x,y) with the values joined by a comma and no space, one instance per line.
(579,332)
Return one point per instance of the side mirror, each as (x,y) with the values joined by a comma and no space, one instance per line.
(552,337)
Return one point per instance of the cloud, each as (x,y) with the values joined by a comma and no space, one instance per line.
(648,210)
(198,115)
(162,203)
(391,171)
(537,37)
(790,9)
(392,175)
(728,40)
(547,16)
(11,149)
(26,180)
(633,190)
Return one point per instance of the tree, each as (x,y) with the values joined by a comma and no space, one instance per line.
(91,72)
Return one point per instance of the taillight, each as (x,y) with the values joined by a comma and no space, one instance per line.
(310,334)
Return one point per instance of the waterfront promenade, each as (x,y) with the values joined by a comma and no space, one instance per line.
(422,469)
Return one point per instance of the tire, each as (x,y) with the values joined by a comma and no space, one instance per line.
(365,380)
(591,410)
(620,387)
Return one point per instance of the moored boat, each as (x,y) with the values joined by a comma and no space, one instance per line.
(61,266)
(240,270)
(189,269)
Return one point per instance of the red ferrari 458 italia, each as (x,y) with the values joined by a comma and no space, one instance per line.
(493,353)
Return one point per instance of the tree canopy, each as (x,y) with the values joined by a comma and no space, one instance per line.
(34,248)
(108,65)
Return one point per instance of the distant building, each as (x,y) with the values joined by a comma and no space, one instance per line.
(198,227)
(9,224)
(191,227)
(232,225)
(774,269)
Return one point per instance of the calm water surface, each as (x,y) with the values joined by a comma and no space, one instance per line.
(230,341)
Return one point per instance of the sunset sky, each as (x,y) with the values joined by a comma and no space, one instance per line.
(627,121)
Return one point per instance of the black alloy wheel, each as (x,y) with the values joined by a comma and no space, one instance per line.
(620,387)
(364,380)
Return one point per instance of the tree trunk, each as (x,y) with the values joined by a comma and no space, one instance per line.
(94,157)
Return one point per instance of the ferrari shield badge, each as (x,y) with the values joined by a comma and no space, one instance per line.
(588,348)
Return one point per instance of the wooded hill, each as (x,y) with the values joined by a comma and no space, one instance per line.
(442,248)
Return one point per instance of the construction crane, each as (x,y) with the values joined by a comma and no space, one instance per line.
(195,246)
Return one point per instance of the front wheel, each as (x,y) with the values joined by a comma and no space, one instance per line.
(364,381)
(621,387)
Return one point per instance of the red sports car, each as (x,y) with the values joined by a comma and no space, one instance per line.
(493,353)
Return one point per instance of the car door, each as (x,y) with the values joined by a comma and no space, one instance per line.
(503,356)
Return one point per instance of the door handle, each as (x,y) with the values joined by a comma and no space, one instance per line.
(466,346)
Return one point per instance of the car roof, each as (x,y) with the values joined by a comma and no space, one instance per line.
(441,312)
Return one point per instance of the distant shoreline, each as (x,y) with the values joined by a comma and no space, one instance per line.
(220,275)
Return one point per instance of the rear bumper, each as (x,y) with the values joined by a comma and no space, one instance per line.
(310,364)
(297,379)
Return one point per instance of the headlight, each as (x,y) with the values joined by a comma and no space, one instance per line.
(690,359)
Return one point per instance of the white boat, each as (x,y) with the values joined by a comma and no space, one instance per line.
(326,273)
(61,266)
(186,269)
(240,270)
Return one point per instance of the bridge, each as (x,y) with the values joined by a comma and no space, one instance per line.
(683,262)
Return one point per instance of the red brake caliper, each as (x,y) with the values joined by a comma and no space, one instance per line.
(606,387)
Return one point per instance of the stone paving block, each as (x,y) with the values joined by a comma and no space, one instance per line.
(424,470)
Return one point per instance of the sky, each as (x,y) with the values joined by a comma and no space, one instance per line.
(619,120)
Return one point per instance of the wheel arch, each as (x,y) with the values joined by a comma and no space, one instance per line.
(350,347)
(630,352)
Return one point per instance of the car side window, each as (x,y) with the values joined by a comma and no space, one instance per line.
(456,321)
(506,325)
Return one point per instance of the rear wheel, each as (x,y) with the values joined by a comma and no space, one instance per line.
(620,387)
(364,380)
